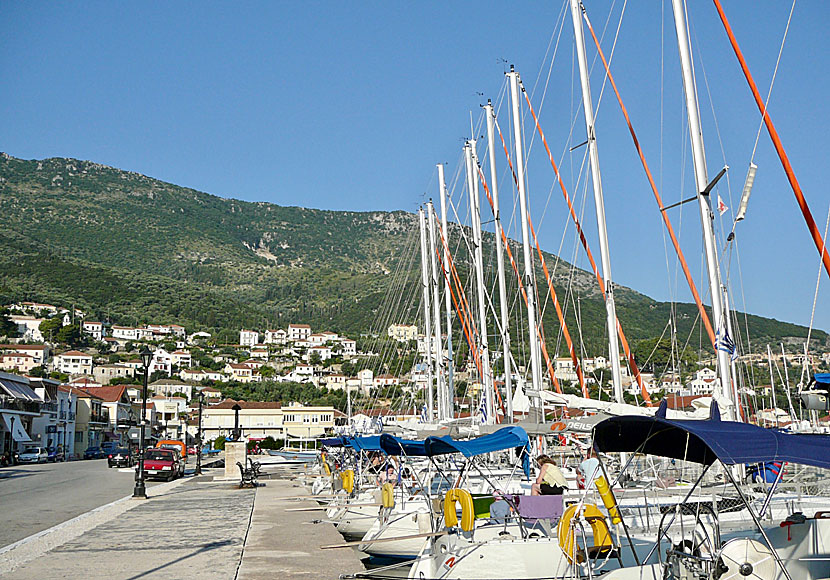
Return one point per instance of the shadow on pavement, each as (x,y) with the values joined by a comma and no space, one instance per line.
(203,549)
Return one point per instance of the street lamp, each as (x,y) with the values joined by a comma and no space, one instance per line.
(140,491)
(199,437)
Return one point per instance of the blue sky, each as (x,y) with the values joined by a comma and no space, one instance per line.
(350,105)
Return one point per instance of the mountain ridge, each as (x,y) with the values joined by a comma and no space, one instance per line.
(160,251)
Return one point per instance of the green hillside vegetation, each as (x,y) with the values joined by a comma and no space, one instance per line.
(130,249)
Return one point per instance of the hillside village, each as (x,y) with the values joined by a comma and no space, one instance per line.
(81,380)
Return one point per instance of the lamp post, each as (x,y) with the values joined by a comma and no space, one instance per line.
(199,437)
(140,491)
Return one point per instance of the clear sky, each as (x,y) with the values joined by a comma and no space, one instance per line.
(349,105)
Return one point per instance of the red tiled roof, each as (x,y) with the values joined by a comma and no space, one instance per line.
(110,393)
(75,353)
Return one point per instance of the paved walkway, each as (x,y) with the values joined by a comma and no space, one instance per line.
(195,528)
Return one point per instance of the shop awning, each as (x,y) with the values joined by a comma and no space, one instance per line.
(18,389)
(14,426)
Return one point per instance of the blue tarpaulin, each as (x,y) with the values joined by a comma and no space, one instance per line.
(705,441)
(333,442)
(504,438)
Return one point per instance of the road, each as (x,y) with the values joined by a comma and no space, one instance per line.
(36,497)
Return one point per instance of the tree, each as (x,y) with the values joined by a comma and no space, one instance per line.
(37,371)
(49,328)
(71,335)
(7,327)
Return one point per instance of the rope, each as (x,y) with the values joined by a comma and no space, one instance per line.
(772,82)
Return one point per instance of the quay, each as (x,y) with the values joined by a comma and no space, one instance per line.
(201,527)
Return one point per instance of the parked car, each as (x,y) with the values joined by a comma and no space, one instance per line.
(191,450)
(54,453)
(34,455)
(94,453)
(108,446)
(175,445)
(120,457)
(163,464)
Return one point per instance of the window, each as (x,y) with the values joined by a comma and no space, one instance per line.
(315,419)
(306,418)
(79,436)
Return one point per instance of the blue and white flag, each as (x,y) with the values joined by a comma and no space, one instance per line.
(724,342)
(482,410)
(424,414)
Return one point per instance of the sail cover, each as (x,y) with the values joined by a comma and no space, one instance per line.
(707,440)
(504,438)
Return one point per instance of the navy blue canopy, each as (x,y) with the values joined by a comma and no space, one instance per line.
(504,438)
(333,442)
(395,446)
(822,380)
(364,443)
(705,441)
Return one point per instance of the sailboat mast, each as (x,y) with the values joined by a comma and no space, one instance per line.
(436,314)
(505,321)
(706,215)
(529,278)
(427,313)
(599,203)
(478,258)
(447,295)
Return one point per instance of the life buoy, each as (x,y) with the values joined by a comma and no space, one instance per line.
(607,495)
(567,535)
(347,477)
(468,515)
(387,495)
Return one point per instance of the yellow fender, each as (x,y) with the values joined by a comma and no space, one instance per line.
(607,495)
(387,494)
(347,477)
(468,514)
(567,535)
(326,468)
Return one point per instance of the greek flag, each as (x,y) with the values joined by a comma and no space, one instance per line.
(424,414)
(379,424)
(482,410)
(724,343)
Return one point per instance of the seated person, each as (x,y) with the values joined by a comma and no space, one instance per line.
(550,480)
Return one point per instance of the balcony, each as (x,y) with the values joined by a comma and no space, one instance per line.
(49,407)
(62,415)
(98,418)
(71,416)
(20,406)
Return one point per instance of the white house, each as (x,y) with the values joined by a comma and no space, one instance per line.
(348,347)
(248,337)
(181,359)
(324,352)
(74,362)
(367,380)
(298,332)
(276,336)
(124,332)
(28,327)
(242,372)
(162,362)
(94,329)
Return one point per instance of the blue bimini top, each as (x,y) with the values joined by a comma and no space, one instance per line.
(504,438)
(707,440)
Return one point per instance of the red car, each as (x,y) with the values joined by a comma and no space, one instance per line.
(163,464)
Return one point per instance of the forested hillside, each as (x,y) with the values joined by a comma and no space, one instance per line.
(130,249)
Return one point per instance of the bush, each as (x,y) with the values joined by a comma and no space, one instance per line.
(219,442)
